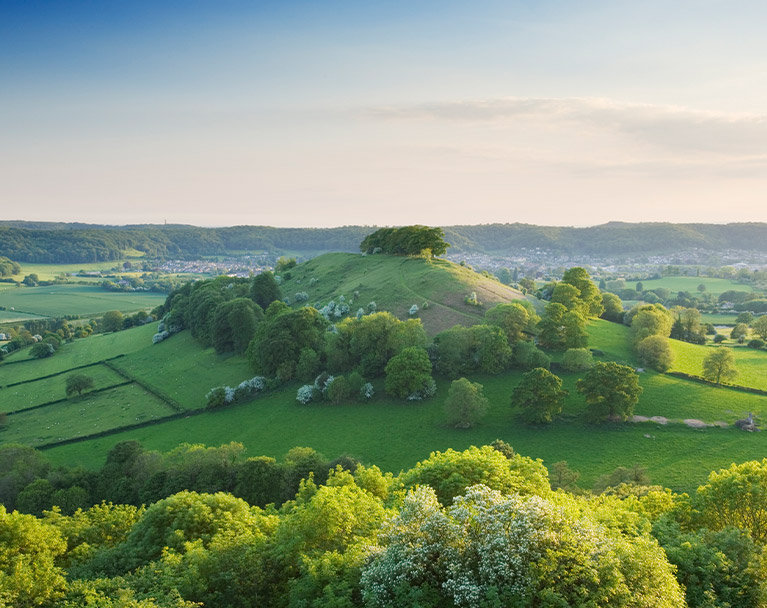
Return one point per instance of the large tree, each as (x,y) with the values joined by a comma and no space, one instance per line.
(112,321)
(408,240)
(589,294)
(408,372)
(611,391)
(515,319)
(759,325)
(655,352)
(719,365)
(539,396)
(465,403)
(264,289)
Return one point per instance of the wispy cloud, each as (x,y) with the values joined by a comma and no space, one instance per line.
(670,127)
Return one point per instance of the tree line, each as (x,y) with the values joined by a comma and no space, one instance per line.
(483,527)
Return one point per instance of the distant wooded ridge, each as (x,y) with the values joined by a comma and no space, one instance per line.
(76,242)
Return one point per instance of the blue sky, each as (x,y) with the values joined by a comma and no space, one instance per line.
(330,113)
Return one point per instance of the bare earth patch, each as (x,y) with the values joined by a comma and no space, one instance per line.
(695,423)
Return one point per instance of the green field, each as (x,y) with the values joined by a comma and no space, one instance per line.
(61,300)
(395,435)
(10,316)
(48,272)
(89,414)
(180,369)
(29,394)
(718,318)
(751,363)
(395,283)
(80,352)
(713,285)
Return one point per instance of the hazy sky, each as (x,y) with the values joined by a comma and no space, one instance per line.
(324,113)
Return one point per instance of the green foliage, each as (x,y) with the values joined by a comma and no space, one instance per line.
(112,321)
(739,331)
(41,350)
(77,383)
(560,328)
(451,472)
(368,343)
(577,359)
(234,325)
(8,268)
(308,365)
(655,351)
(468,350)
(409,240)
(408,372)
(649,320)
(264,289)
(515,319)
(613,307)
(719,365)
(539,395)
(759,325)
(465,404)
(736,497)
(611,391)
(589,302)
(528,356)
(29,548)
(280,338)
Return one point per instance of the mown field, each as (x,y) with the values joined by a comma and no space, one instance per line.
(713,285)
(61,300)
(395,435)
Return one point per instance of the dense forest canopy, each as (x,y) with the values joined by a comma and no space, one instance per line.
(72,243)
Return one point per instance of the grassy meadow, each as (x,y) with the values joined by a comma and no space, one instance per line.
(751,363)
(713,285)
(84,300)
(29,394)
(84,415)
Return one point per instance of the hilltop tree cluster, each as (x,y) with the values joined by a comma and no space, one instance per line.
(409,240)
(480,527)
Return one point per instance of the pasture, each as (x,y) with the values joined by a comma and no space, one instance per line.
(395,434)
(29,394)
(120,406)
(751,363)
(713,285)
(83,300)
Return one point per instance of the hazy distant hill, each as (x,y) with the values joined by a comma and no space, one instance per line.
(60,242)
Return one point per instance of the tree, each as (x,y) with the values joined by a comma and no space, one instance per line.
(112,321)
(745,317)
(759,325)
(465,403)
(539,395)
(568,296)
(590,296)
(513,318)
(577,359)
(408,372)
(611,391)
(264,289)
(719,365)
(613,307)
(77,383)
(408,240)
(649,320)
(42,350)
(736,497)
(655,352)
(739,332)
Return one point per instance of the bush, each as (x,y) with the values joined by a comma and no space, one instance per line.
(306,394)
(756,343)
(719,338)
(219,396)
(413,310)
(528,356)
(338,391)
(577,359)
(367,391)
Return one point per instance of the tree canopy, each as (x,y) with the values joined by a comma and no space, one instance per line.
(409,240)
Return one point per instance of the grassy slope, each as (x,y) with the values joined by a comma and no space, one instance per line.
(751,363)
(395,435)
(395,283)
(180,369)
(59,300)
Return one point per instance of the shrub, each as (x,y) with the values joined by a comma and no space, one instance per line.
(413,310)
(367,391)
(756,343)
(306,394)
(338,391)
(577,359)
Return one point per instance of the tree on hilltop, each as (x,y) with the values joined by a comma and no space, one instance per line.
(408,240)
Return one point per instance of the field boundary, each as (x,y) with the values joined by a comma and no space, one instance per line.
(120,429)
(71,369)
(63,399)
(169,401)
(702,380)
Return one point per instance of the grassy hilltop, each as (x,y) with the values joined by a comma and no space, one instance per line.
(395,283)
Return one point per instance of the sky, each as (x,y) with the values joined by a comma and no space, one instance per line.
(339,112)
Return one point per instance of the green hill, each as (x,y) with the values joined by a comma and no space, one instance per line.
(395,283)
